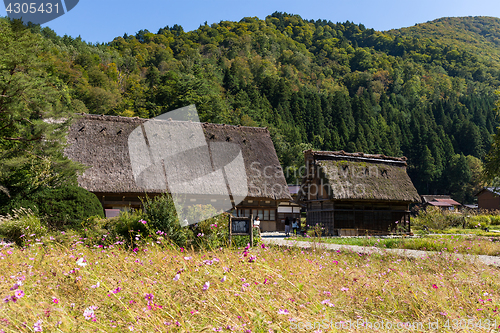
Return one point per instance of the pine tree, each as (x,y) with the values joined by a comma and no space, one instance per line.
(34,115)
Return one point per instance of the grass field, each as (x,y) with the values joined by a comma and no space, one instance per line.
(152,288)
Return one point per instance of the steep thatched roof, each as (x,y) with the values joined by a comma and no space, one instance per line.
(358,176)
(106,143)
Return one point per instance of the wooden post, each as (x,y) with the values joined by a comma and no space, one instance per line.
(230,227)
(251,229)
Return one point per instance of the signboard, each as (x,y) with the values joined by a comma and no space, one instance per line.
(241,226)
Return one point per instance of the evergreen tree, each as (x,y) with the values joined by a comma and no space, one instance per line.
(34,115)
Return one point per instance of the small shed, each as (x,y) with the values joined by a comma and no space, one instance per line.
(106,144)
(488,198)
(357,193)
(444,202)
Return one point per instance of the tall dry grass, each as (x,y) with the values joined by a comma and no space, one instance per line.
(76,288)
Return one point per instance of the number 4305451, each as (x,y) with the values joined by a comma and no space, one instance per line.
(32,8)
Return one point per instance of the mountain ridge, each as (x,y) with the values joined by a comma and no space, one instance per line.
(422,92)
(472,33)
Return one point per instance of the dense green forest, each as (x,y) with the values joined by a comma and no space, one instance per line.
(425,92)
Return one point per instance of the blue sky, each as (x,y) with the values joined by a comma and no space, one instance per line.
(101,21)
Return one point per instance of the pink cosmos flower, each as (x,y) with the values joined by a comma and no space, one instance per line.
(283,311)
(177,277)
(434,286)
(16,285)
(89,313)
(344,289)
(327,302)
(149,297)
(37,327)
(19,293)
(55,300)
(206,286)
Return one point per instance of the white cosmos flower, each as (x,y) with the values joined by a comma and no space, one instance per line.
(80,262)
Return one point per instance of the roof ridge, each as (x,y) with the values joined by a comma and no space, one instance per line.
(132,119)
(342,153)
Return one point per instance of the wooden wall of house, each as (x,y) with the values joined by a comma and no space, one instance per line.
(367,218)
(488,201)
(112,200)
(265,208)
(287,209)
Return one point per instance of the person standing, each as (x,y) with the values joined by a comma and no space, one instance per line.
(287,227)
(295,226)
(256,223)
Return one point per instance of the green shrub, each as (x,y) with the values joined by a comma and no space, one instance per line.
(22,225)
(242,241)
(495,219)
(479,221)
(129,224)
(211,233)
(200,212)
(436,219)
(17,202)
(101,231)
(63,206)
(454,219)
(161,216)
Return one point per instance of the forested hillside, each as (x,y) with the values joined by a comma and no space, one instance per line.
(425,92)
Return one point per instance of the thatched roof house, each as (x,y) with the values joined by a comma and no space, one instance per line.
(357,191)
(122,167)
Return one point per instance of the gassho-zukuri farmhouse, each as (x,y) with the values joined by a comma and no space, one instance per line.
(235,168)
